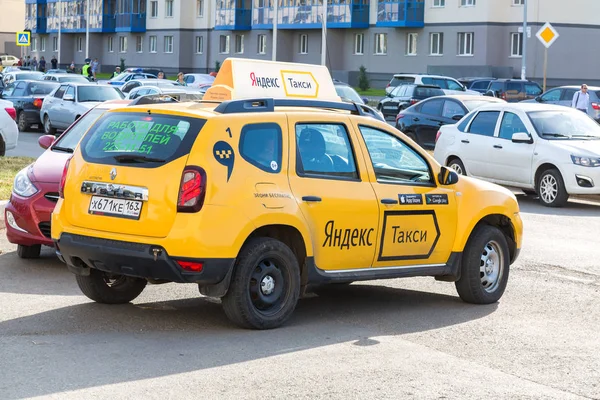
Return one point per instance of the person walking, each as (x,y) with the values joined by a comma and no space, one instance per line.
(581,99)
(180,79)
(34,64)
(42,64)
(85,70)
(95,65)
(72,66)
(54,62)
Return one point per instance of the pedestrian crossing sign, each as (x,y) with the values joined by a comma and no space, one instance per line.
(23,38)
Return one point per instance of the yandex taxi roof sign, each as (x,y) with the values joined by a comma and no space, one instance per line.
(241,78)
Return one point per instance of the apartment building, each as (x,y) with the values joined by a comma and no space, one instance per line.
(12,17)
(456,37)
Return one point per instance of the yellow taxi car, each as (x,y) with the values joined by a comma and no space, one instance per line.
(268,187)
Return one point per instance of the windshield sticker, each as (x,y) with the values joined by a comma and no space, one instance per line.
(274,165)
(225,156)
(141,136)
(408,199)
(408,235)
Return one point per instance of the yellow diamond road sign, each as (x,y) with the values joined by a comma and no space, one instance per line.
(547,34)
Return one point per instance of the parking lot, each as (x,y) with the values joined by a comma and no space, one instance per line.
(386,339)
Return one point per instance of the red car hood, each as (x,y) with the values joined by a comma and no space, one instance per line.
(48,168)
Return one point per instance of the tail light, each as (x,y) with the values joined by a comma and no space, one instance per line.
(12,112)
(37,103)
(596,106)
(437,136)
(63,180)
(191,190)
(503,95)
(413,101)
(388,85)
(399,116)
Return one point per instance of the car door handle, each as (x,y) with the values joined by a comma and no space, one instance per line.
(497,146)
(416,119)
(389,201)
(311,198)
(465,141)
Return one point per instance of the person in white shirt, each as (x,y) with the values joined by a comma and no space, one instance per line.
(581,99)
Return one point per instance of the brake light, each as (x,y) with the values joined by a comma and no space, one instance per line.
(388,85)
(503,95)
(399,116)
(437,136)
(37,103)
(413,101)
(596,106)
(12,112)
(190,265)
(191,190)
(63,180)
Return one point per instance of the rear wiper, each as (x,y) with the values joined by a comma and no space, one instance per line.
(127,158)
(63,149)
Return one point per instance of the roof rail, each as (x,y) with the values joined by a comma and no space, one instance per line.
(153,99)
(269,104)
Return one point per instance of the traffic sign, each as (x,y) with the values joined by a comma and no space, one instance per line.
(23,38)
(547,34)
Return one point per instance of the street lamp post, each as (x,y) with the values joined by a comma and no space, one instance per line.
(524,43)
(59,27)
(275,19)
(87,30)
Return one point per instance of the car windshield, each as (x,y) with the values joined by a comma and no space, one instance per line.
(73,135)
(564,125)
(347,93)
(98,93)
(473,104)
(39,88)
(121,76)
(75,78)
(34,76)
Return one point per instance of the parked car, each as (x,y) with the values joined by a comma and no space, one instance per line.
(9,132)
(35,189)
(422,121)
(134,83)
(347,93)
(8,60)
(513,90)
(125,77)
(563,96)
(477,84)
(12,76)
(179,93)
(58,71)
(198,80)
(27,98)
(70,101)
(548,150)
(447,84)
(404,96)
(66,77)
(153,71)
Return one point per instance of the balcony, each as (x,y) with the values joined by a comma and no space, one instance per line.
(35,16)
(128,22)
(233,19)
(409,13)
(344,14)
(72,17)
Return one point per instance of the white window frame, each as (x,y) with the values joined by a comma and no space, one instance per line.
(79,44)
(359,44)
(139,44)
(154,9)
(303,44)
(467,3)
(199,8)
(54,44)
(152,44)
(412,40)
(199,44)
(438,38)
(122,44)
(378,50)
(226,49)
(169,11)
(239,44)
(34,44)
(111,44)
(439,3)
(262,44)
(466,47)
(168,44)
(518,36)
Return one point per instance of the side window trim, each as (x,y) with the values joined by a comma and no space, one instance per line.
(264,125)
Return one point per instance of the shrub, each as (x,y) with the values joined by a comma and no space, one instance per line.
(363,80)
(122,64)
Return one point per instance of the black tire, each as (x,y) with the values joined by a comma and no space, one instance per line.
(263,261)
(550,188)
(22,122)
(2,147)
(123,290)
(412,136)
(529,192)
(29,251)
(48,129)
(457,166)
(487,286)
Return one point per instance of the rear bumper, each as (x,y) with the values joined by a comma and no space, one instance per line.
(32,116)
(136,259)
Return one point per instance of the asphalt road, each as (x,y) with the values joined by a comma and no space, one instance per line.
(28,145)
(404,338)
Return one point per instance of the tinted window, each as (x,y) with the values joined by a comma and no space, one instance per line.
(32,76)
(425,92)
(402,80)
(324,149)
(440,82)
(532,89)
(397,90)
(41,88)
(393,160)
(73,135)
(70,91)
(189,79)
(8,90)
(75,78)
(98,93)
(568,94)
(346,92)
(432,107)
(453,85)
(511,123)
(19,89)
(463,125)
(59,93)
(516,86)
(452,108)
(553,95)
(496,86)
(160,137)
(484,123)
(260,145)
(480,85)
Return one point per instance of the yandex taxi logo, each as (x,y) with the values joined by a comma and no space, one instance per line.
(300,84)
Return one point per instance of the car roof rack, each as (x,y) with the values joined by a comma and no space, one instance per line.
(269,104)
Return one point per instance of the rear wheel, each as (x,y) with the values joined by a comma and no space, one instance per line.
(106,288)
(412,136)
(29,251)
(48,129)
(551,189)
(265,286)
(22,121)
(457,166)
(2,147)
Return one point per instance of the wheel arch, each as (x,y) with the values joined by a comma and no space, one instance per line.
(541,169)
(505,225)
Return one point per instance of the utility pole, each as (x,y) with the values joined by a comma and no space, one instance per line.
(87,30)
(59,28)
(524,43)
(324,36)
(275,19)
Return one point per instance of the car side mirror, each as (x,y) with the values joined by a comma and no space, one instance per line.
(68,97)
(365,100)
(46,141)
(522,137)
(457,117)
(447,176)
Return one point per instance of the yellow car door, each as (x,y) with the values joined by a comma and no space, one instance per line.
(333,191)
(417,217)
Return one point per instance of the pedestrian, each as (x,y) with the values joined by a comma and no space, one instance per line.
(116,72)
(28,61)
(85,70)
(20,62)
(180,79)
(72,66)
(161,75)
(42,64)
(581,99)
(95,68)
(34,64)
(54,62)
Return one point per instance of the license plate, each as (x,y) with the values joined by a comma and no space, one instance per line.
(390,107)
(122,208)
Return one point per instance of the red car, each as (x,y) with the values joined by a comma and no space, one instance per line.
(35,189)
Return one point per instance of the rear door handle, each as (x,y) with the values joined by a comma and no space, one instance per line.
(497,146)
(416,119)
(389,201)
(311,198)
(465,141)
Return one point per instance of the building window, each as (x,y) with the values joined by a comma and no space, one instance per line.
(359,44)
(239,44)
(122,44)
(436,45)
(199,8)
(110,44)
(169,8)
(168,44)
(199,44)
(262,44)
(439,3)
(381,43)
(516,44)
(54,44)
(224,44)
(465,43)
(518,2)
(152,44)
(43,44)
(138,44)
(34,44)
(79,44)
(411,44)
(465,3)
(154,9)
(303,44)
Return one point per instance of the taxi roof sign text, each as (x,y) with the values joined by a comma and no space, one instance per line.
(241,78)
(547,34)
(23,38)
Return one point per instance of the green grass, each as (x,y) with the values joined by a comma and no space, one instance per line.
(371,92)
(9,166)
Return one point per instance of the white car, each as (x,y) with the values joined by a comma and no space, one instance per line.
(9,132)
(549,150)
(447,84)
(8,60)
(181,93)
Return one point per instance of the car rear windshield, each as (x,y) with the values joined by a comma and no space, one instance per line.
(33,76)
(473,104)
(425,92)
(139,138)
(98,93)
(75,78)
(41,88)
(403,80)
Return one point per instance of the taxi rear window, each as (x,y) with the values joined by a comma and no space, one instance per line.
(142,139)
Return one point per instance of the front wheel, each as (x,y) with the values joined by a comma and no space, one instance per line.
(551,189)
(265,286)
(22,122)
(485,266)
(106,288)
(29,251)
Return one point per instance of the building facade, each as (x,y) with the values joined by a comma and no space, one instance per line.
(454,37)
(12,19)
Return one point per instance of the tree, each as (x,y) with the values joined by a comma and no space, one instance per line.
(363,80)
(122,65)
(217,66)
